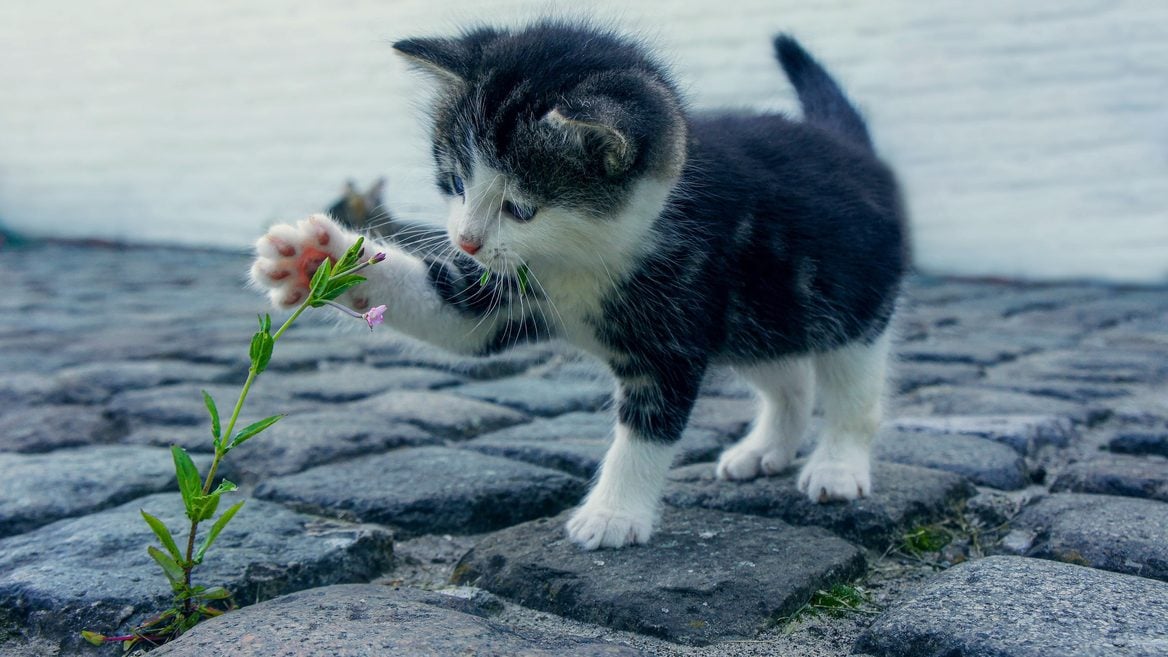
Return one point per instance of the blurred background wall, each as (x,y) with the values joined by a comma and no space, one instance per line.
(1032,137)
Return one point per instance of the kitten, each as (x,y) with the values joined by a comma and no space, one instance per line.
(662,243)
(362,212)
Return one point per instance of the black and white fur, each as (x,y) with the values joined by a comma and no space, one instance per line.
(662,243)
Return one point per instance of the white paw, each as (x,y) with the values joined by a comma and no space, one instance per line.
(744,462)
(593,526)
(827,478)
(287,257)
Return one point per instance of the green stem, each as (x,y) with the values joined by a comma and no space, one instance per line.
(189,563)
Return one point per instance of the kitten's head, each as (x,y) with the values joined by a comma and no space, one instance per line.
(552,143)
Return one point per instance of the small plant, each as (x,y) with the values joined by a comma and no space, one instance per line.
(839,600)
(194,603)
(926,539)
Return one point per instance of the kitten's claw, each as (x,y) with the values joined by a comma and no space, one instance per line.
(287,257)
(826,479)
(593,527)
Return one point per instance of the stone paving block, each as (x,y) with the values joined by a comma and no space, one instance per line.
(1111,309)
(984,462)
(977,352)
(1019,607)
(428,490)
(405,353)
(94,383)
(1140,443)
(182,404)
(45,428)
(351,382)
(1121,534)
(305,440)
(1025,433)
(1116,475)
(19,389)
(728,417)
(705,576)
(363,620)
(1101,366)
(94,572)
(446,416)
(904,497)
(37,489)
(982,400)
(290,355)
(576,443)
(194,438)
(909,376)
(540,397)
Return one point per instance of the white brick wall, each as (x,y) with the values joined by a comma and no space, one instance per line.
(1032,136)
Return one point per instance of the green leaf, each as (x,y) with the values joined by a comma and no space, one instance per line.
(214,593)
(215,529)
(214,411)
(349,260)
(189,622)
(485,278)
(522,273)
(93,637)
(266,324)
(252,429)
(170,567)
(189,482)
(339,285)
(320,278)
(261,350)
(224,487)
(205,506)
(163,534)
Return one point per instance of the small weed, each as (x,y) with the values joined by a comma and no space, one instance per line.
(191,603)
(837,601)
(926,539)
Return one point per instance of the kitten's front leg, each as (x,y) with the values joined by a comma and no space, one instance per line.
(622,506)
(440,302)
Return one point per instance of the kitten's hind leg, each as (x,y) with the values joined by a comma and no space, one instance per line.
(851,392)
(786,392)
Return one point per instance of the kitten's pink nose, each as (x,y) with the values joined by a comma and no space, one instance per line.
(470,246)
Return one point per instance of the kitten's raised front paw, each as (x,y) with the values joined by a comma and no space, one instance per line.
(745,462)
(287,257)
(825,478)
(593,526)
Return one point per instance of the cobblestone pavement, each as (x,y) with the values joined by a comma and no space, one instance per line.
(412,502)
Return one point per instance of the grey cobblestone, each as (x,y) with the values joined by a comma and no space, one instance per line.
(708,576)
(904,497)
(1122,534)
(428,490)
(1020,389)
(1017,607)
(94,573)
(37,489)
(1116,475)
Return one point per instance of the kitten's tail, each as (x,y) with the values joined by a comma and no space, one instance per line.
(824,103)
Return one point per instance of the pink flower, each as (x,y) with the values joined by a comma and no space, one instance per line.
(378,257)
(375,316)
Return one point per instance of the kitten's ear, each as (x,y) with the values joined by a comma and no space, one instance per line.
(596,131)
(443,58)
(373,196)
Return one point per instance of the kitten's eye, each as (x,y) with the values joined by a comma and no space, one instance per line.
(519,212)
(456,185)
